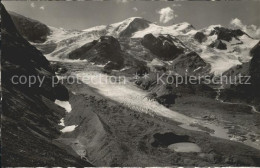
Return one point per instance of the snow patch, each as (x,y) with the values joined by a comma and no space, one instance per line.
(156,30)
(62,122)
(65,104)
(69,128)
(197,69)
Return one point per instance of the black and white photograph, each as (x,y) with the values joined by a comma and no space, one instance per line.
(127,83)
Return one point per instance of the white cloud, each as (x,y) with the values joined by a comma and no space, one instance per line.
(32,5)
(135,9)
(166,14)
(236,22)
(251,30)
(42,7)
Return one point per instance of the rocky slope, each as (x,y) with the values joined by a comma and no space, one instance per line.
(30,117)
(248,93)
(31,30)
(254,69)
(106,49)
(161,46)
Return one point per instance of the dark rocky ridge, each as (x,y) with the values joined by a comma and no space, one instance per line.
(226,34)
(101,51)
(106,51)
(30,118)
(30,29)
(162,46)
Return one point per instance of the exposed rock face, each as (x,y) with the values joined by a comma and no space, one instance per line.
(106,49)
(136,25)
(162,46)
(164,95)
(226,34)
(80,53)
(30,118)
(218,44)
(200,37)
(31,30)
(254,69)
(165,90)
(249,93)
(255,50)
(189,63)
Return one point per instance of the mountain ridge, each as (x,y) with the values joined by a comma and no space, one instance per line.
(30,117)
(219,52)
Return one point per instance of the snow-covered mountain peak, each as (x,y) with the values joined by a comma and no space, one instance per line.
(218,46)
(209,29)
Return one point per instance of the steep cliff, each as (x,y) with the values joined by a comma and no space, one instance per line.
(30,118)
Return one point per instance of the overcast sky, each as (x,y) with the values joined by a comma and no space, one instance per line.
(82,15)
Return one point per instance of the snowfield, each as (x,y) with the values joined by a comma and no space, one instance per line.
(64,104)
(70,128)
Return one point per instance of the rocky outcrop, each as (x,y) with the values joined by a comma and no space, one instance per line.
(190,63)
(250,92)
(31,30)
(30,118)
(166,90)
(200,37)
(254,69)
(163,47)
(218,44)
(106,49)
(226,34)
(164,95)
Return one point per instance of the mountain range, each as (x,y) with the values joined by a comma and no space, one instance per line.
(136,43)
(220,47)
(107,132)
